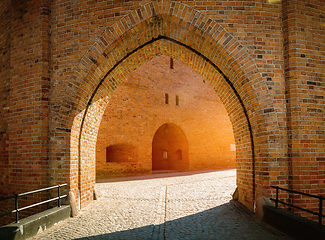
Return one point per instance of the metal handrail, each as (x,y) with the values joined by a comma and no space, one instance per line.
(16,210)
(320,207)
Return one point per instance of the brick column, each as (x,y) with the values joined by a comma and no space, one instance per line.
(5,15)
(304,74)
(28,121)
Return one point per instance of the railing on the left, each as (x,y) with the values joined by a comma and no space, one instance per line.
(16,196)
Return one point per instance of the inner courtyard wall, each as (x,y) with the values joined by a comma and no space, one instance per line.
(138,108)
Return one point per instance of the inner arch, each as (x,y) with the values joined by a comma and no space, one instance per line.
(228,94)
(201,44)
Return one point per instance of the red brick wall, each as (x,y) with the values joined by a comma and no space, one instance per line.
(26,98)
(265,61)
(304,64)
(29,94)
(137,109)
(5,15)
(4,92)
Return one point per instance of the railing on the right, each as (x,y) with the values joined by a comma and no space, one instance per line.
(320,208)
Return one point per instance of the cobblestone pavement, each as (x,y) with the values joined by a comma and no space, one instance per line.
(193,205)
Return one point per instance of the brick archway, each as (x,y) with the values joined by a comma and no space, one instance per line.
(176,30)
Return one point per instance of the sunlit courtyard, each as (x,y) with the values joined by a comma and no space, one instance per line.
(166,205)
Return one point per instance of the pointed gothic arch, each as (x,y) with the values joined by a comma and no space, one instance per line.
(176,30)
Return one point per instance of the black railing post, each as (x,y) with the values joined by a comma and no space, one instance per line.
(59,203)
(320,212)
(49,197)
(277,197)
(16,206)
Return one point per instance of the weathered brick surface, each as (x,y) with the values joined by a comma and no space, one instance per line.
(4,90)
(66,58)
(5,14)
(27,96)
(304,64)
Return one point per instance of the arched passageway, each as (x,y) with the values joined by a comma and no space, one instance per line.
(155,29)
(170,150)
(62,61)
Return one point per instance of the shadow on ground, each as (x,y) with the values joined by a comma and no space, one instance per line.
(227,221)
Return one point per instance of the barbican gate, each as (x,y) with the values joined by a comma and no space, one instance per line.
(62,60)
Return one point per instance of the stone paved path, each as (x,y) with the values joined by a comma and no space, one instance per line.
(165,206)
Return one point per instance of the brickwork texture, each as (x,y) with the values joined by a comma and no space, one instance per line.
(62,62)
